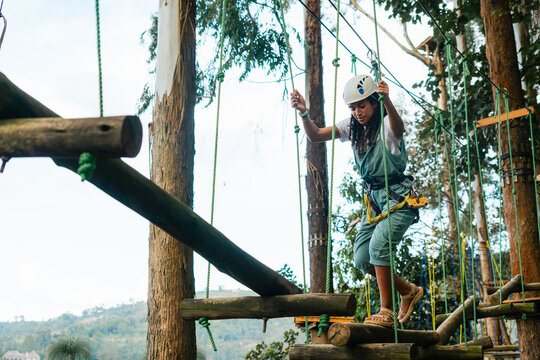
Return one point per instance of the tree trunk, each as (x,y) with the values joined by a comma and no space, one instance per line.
(482,237)
(504,72)
(317,174)
(170,272)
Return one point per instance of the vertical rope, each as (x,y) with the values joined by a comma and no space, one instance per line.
(438,116)
(450,62)
(507,110)
(471,229)
(386,185)
(299,176)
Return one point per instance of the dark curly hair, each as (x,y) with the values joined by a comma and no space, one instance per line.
(362,136)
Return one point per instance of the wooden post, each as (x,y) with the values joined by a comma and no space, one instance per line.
(134,190)
(450,325)
(349,334)
(364,352)
(114,136)
(254,307)
(504,72)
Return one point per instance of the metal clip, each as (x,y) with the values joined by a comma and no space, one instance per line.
(4,159)
(3,30)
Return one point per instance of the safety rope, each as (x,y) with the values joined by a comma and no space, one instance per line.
(453,182)
(386,184)
(324,324)
(439,199)
(87,161)
(219,78)
(299,175)
(465,74)
(514,197)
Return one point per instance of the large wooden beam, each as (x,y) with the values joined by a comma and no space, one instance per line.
(452,352)
(253,307)
(134,190)
(450,325)
(365,352)
(15,103)
(528,287)
(511,286)
(349,334)
(511,309)
(115,136)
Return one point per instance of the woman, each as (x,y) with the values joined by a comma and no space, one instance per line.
(371,251)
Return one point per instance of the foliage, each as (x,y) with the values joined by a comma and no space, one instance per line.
(288,274)
(69,349)
(278,350)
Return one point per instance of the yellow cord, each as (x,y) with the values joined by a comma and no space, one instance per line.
(367,288)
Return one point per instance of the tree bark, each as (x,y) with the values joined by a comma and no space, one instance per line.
(170,275)
(317,174)
(254,307)
(504,72)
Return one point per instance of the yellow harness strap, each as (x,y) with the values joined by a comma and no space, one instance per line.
(373,220)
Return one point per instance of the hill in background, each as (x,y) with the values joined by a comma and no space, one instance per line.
(120,332)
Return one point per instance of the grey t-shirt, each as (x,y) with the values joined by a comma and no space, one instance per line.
(392,142)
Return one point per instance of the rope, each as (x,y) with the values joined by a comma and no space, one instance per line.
(87,161)
(465,73)
(299,176)
(220,76)
(506,108)
(436,123)
(453,183)
(386,184)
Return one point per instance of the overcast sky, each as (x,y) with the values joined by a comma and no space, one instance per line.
(64,245)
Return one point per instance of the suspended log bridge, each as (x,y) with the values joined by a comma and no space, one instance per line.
(386,351)
(115,136)
(450,325)
(253,307)
(350,334)
(138,193)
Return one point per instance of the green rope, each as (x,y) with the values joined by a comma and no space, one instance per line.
(299,175)
(465,73)
(507,109)
(87,161)
(501,182)
(454,182)
(439,199)
(220,76)
(386,185)
(534,171)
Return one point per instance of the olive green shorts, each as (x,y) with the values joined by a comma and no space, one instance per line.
(371,245)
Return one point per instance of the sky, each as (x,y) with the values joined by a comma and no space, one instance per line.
(65,246)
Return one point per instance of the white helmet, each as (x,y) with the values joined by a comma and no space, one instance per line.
(358,88)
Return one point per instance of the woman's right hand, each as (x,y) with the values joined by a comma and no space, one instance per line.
(297,101)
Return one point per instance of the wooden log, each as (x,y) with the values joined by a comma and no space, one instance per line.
(15,103)
(450,325)
(115,136)
(349,334)
(511,309)
(254,307)
(128,186)
(453,352)
(484,342)
(504,348)
(511,286)
(528,287)
(388,351)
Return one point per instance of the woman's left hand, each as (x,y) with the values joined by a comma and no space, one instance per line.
(382,88)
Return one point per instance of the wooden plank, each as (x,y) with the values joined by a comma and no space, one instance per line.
(301,320)
(349,334)
(388,351)
(138,193)
(114,136)
(517,301)
(254,307)
(511,115)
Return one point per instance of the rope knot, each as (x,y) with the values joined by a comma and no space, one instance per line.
(353,58)
(335,62)
(524,316)
(296,129)
(324,324)
(220,76)
(381,97)
(204,322)
(87,165)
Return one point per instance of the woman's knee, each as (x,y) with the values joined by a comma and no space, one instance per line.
(362,260)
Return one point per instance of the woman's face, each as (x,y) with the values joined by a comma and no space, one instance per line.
(362,111)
